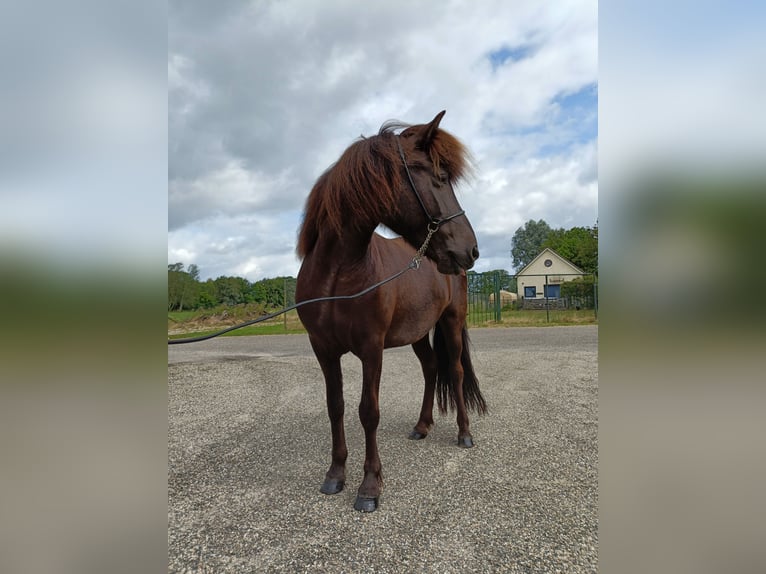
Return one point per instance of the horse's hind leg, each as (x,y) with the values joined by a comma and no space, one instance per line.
(427,358)
(335,478)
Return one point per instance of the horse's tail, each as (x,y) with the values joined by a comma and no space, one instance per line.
(445,386)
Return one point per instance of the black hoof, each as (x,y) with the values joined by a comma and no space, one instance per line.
(465,442)
(415,435)
(364,504)
(332,486)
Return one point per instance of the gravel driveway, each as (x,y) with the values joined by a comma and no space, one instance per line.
(249,443)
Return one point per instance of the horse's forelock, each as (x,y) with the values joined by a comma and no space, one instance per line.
(449,153)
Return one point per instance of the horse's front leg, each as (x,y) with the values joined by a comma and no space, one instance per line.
(368,496)
(335,478)
(427,358)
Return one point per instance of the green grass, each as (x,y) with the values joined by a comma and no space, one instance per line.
(181,316)
(534,318)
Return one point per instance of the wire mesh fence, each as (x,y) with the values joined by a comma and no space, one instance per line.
(496,298)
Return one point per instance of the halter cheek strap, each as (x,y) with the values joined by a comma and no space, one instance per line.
(434,223)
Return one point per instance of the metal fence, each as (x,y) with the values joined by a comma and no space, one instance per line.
(493,298)
(484,301)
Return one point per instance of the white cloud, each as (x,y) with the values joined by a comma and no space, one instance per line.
(265,96)
(549,188)
(230,190)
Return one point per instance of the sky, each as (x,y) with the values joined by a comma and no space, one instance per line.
(264,96)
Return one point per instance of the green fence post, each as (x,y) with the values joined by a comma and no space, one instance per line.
(547,302)
(498,312)
(595,295)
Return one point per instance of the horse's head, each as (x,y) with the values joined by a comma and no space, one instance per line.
(432,160)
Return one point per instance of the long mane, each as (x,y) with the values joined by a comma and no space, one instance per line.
(361,187)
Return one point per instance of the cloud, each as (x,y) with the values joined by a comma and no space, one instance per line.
(263,97)
(559,189)
(231,190)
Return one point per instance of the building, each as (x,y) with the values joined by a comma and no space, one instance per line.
(506,298)
(543,276)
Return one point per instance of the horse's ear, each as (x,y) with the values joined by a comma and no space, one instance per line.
(429,131)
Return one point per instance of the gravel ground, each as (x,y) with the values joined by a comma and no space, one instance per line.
(249,443)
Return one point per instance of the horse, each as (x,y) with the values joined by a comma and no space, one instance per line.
(405,182)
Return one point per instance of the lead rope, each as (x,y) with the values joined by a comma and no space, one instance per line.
(413,264)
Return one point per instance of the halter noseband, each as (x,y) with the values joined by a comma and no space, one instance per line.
(433,222)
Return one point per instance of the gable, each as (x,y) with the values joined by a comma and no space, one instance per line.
(557,266)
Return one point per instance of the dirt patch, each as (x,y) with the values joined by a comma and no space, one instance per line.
(218,318)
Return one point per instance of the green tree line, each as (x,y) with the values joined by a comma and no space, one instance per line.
(187,292)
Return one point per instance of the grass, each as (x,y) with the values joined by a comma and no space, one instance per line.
(181,316)
(535,318)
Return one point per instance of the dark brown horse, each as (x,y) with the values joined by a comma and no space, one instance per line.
(404,182)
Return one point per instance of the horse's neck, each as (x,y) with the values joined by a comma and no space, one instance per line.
(348,251)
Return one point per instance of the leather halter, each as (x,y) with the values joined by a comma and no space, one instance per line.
(433,222)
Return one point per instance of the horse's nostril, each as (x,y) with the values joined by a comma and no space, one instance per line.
(475,252)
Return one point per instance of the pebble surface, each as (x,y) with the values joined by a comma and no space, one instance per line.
(249,442)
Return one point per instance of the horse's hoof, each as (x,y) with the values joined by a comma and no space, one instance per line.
(465,442)
(415,435)
(332,486)
(364,504)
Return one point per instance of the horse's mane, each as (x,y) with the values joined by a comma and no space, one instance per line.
(360,188)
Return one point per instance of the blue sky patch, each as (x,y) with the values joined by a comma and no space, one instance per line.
(585,97)
(579,111)
(499,57)
(571,119)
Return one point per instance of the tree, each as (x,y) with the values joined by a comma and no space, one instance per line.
(506,281)
(579,245)
(193,272)
(485,282)
(232,290)
(176,280)
(527,242)
(183,287)
(186,291)
(207,295)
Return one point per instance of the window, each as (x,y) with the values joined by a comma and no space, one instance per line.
(552,291)
(529,292)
